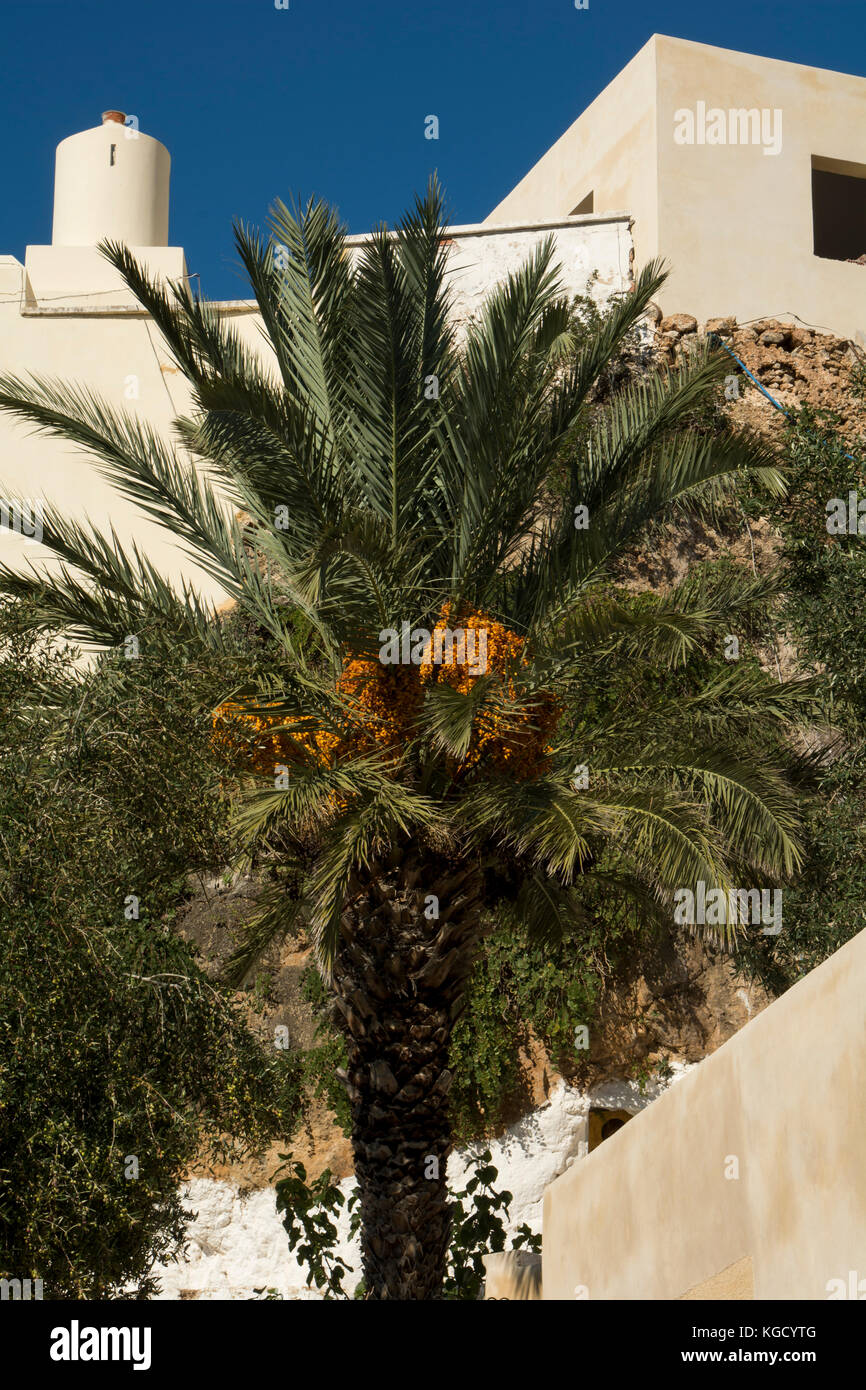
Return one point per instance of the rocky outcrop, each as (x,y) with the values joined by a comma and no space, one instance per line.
(798,365)
(273,997)
(678,1001)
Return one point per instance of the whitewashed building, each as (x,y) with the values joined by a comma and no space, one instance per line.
(66,314)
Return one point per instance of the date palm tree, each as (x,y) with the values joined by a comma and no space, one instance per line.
(378,469)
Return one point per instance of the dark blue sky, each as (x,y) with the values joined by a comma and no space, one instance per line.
(330,96)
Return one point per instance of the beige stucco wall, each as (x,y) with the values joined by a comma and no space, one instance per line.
(651,1214)
(111,181)
(114,353)
(66,315)
(609,151)
(79,278)
(734,224)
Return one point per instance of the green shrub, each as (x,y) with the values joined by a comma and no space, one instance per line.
(825,595)
(120,1062)
(826,904)
(519,989)
(825,574)
(479,1212)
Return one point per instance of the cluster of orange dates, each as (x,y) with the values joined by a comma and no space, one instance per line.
(385,701)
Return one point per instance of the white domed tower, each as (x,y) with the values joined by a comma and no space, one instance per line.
(111,181)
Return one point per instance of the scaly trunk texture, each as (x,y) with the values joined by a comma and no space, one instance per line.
(399,985)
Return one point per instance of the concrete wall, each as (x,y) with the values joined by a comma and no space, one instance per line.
(118,354)
(657,1213)
(734,224)
(609,151)
(67,316)
(111,181)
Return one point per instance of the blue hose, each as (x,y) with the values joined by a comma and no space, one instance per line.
(716,341)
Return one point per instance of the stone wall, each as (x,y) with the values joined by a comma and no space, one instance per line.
(798,365)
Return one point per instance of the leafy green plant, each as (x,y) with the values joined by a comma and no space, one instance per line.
(479,1219)
(646,1073)
(826,573)
(121,1063)
(308,1210)
(826,904)
(261,991)
(326,1060)
(520,989)
(824,595)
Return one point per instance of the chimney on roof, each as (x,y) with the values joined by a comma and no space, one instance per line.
(111,182)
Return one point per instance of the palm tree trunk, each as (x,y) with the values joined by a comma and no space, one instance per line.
(409,933)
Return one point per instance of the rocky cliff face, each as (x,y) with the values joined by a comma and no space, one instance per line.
(679,1002)
(798,365)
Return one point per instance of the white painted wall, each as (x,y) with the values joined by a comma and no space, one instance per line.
(593,253)
(238,1244)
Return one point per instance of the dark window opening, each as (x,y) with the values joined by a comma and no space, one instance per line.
(838,209)
(585,206)
(113,153)
(603,1124)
